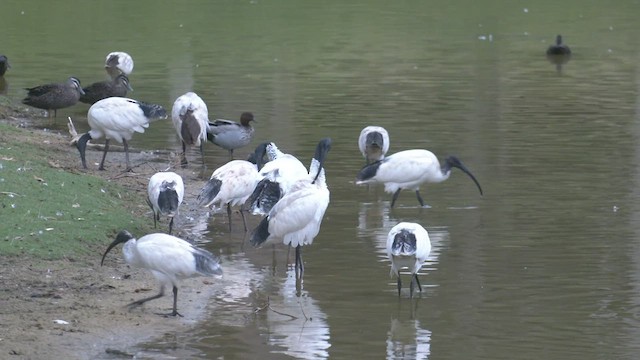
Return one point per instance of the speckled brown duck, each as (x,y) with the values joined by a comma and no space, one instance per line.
(54,96)
(105,89)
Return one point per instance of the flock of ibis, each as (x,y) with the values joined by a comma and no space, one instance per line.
(291,198)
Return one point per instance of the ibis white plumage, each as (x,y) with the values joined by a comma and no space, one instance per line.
(373,143)
(190,118)
(295,219)
(169,258)
(277,176)
(231,185)
(118,62)
(117,118)
(165,193)
(408,246)
(231,135)
(408,170)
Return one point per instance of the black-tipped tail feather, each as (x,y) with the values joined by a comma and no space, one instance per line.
(206,262)
(369,171)
(209,192)
(152,111)
(168,201)
(260,234)
(404,243)
(264,197)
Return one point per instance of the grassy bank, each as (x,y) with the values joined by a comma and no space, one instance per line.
(50,210)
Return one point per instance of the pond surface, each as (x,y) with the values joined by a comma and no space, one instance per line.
(545,265)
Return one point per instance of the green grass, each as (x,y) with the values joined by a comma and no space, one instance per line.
(49,213)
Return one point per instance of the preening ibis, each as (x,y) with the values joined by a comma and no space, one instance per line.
(54,96)
(295,219)
(231,184)
(408,246)
(408,170)
(231,135)
(165,193)
(191,120)
(104,89)
(169,258)
(373,143)
(276,178)
(117,118)
(117,63)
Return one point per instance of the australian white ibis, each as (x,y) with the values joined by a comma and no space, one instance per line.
(277,177)
(408,170)
(408,246)
(169,258)
(191,120)
(295,219)
(117,118)
(165,194)
(373,143)
(231,185)
(231,135)
(117,63)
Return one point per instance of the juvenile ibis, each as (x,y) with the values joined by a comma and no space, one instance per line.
(169,258)
(191,120)
(231,135)
(117,118)
(295,219)
(54,96)
(117,63)
(408,246)
(165,193)
(408,170)
(373,143)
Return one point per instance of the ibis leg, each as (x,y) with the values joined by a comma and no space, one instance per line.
(174,312)
(299,264)
(229,214)
(126,154)
(412,286)
(230,154)
(399,284)
(183,161)
(170,225)
(202,152)
(104,154)
(142,301)
(419,198)
(395,197)
(244,221)
(418,281)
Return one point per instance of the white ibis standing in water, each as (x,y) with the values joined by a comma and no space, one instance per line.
(169,258)
(373,143)
(117,63)
(231,135)
(165,194)
(191,120)
(295,219)
(231,184)
(408,246)
(408,170)
(117,118)
(277,177)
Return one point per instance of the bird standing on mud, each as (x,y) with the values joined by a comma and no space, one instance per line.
(54,96)
(191,120)
(169,258)
(165,193)
(117,118)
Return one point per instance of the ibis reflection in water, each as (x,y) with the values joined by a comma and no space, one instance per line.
(169,258)
(408,170)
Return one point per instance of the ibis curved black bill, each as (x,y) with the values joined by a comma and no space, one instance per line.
(123,237)
(321,154)
(453,161)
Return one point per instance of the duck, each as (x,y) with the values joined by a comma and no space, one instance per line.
(54,96)
(4,64)
(118,62)
(104,89)
(231,135)
(559,48)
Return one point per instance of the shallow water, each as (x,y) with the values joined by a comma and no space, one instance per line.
(544,265)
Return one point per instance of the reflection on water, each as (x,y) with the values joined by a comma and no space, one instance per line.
(299,328)
(408,340)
